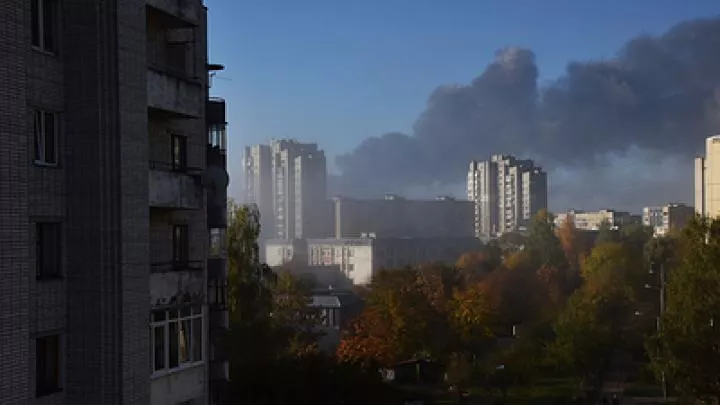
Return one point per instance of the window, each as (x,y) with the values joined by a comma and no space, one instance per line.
(45,133)
(180,243)
(179,152)
(217,136)
(48,257)
(47,365)
(44,20)
(217,242)
(176,337)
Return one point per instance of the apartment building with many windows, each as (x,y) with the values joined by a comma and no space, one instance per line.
(113,188)
(507,192)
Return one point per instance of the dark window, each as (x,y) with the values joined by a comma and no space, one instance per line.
(47,365)
(180,243)
(45,126)
(44,20)
(179,152)
(48,257)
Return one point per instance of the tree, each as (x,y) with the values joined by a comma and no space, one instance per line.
(473,266)
(397,323)
(594,320)
(293,316)
(606,233)
(636,236)
(687,347)
(542,244)
(473,317)
(250,281)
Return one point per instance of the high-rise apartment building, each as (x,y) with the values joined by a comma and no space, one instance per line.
(507,192)
(287,180)
(707,179)
(258,176)
(112,183)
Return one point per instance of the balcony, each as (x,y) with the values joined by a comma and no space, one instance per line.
(176,287)
(188,11)
(175,266)
(175,94)
(174,189)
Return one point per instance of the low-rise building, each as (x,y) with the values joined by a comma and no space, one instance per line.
(359,259)
(591,220)
(337,308)
(395,216)
(668,217)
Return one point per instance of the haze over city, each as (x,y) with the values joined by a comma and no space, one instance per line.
(607,97)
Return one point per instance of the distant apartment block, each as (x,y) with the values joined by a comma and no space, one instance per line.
(113,182)
(707,179)
(257,173)
(592,220)
(287,180)
(506,193)
(358,259)
(666,218)
(395,216)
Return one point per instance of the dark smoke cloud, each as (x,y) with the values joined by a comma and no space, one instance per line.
(659,95)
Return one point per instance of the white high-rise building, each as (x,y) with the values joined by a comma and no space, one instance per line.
(257,167)
(707,179)
(507,192)
(288,181)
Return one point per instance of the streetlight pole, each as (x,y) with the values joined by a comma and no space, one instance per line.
(659,326)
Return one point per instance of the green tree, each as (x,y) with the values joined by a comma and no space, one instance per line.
(687,347)
(596,316)
(543,244)
(606,233)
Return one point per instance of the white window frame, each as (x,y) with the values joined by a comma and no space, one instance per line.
(40,136)
(174,316)
(41,5)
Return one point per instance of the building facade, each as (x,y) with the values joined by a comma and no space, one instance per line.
(667,218)
(358,259)
(592,220)
(506,192)
(287,180)
(257,173)
(707,179)
(395,216)
(108,162)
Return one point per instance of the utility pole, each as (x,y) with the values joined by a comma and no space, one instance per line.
(661,288)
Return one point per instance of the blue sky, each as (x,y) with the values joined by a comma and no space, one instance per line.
(338,71)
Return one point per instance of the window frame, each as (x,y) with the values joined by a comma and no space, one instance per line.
(40,274)
(180,244)
(40,136)
(42,389)
(168,318)
(41,18)
(178,152)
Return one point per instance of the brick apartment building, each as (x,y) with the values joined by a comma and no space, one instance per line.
(112,204)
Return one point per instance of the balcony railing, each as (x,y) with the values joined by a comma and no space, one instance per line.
(174,265)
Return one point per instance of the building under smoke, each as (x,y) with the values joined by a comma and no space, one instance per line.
(395,216)
(507,192)
(288,182)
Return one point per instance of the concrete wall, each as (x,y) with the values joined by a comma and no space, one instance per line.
(180,386)
(403,218)
(15,240)
(174,190)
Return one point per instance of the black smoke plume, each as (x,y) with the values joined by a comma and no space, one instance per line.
(659,95)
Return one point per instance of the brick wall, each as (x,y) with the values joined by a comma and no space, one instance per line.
(14,225)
